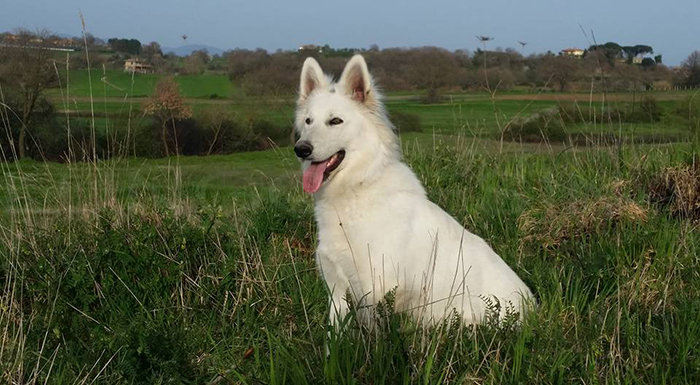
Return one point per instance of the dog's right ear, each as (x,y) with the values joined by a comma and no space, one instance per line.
(312,77)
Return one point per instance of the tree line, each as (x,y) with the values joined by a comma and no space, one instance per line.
(433,70)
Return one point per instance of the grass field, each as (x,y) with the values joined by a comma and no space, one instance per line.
(201,269)
(121,85)
(473,114)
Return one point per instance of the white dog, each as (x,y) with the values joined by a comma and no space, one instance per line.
(377,231)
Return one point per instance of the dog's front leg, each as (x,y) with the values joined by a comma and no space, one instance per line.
(338,310)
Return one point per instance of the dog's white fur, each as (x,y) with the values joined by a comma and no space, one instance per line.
(377,231)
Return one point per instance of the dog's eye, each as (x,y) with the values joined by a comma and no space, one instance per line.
(308,121)
(335,121)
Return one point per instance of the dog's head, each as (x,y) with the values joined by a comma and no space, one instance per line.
(342,126)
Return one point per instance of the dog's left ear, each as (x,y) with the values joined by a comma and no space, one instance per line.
(356,80)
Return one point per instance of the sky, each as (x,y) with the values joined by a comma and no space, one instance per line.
(671,27)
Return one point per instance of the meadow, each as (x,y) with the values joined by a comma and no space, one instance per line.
(120,84)
(201,269)
(113,97)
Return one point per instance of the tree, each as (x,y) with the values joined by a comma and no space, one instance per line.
(432,69)
(641,50)
(26,70)
(151,50)
(560,69)
(153,54)
(167,106)
(195,62)
(648,62)
(242,62)
(278,76)
(631,52)
(214,121)
(130,46)
(691,67)
(612,51)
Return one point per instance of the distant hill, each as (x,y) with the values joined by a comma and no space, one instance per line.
(66,36)
(179,51)
(188,49)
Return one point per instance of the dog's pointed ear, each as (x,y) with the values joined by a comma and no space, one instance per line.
(356,80)
(312,77)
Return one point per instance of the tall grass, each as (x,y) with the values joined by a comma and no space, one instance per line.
(141,292)
(131,271)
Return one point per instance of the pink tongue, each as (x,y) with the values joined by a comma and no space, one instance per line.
(313,176)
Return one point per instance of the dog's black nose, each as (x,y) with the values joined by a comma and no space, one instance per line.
(303,149)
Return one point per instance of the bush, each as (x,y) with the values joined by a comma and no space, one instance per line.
(212,133)
(546,125)
(232,136)
(56,147)
(645,111)
(648,111)
(269,131)
(47,137)
(190,139)
(405,121)
(550,225)
(242,135)
(497,79)
(689,110)
(678,190)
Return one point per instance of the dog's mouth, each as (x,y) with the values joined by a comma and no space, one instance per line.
(318,172)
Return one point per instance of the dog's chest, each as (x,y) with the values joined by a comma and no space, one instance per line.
(341,229)
(357,234)
(350,235)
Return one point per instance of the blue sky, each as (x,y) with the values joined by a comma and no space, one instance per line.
(671,27)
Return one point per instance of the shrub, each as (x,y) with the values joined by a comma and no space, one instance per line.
(689,110)
(648,111)
(48,137)
(235,136)
(545,125)
(211,132)
(181,137)
(550,225)
(146,142)
(678,190)
(267,131)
